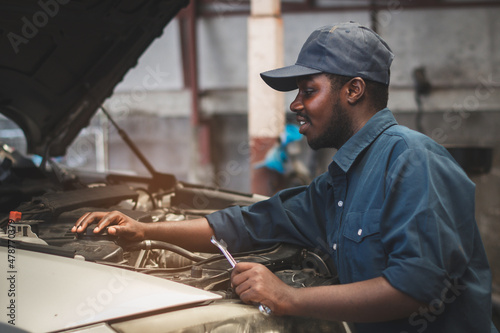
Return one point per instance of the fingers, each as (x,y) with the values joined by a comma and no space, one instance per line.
(103,219)
(117,224)
(256,284)
(83,222)
(249,283)
(110,218)
(243,266)
(247,275)
(237,276)
(113,230)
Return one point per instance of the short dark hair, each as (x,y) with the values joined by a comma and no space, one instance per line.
(377,92)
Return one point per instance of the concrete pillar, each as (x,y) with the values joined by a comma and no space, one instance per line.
(266,116)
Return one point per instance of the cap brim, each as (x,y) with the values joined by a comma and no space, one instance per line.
(285,78)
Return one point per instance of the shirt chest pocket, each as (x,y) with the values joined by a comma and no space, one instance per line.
(363,255)
(360,225)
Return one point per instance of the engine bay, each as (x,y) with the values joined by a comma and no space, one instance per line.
(47,219)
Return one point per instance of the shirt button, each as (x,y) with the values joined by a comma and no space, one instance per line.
(334,246)
(340,203)
(360,231)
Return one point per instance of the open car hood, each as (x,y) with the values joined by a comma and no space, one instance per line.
(60,59)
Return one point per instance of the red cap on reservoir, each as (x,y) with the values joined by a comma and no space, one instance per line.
(15,216)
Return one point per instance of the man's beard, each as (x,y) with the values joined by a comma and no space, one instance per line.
(339,130)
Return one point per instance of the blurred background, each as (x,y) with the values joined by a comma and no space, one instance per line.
(186,102)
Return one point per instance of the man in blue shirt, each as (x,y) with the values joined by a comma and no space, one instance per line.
(394,210)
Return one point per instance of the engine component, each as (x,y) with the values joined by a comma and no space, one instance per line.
(55,203)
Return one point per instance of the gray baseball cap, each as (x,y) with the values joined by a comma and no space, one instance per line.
(348,49)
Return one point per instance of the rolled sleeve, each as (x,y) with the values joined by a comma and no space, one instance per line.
(227,225)
(294,216)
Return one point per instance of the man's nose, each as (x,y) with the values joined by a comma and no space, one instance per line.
(296,104)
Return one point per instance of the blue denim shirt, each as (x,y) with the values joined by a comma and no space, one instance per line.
(395,204)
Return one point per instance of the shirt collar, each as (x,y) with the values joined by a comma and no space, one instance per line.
(347,154)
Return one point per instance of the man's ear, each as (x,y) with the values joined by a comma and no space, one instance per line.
(355,90)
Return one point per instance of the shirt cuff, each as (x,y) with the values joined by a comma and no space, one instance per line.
(418,278)
(227,225)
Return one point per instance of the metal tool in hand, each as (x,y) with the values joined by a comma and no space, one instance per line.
(223,248)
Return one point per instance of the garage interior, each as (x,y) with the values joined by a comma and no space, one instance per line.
(186,103)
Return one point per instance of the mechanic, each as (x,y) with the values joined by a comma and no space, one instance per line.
(394,211)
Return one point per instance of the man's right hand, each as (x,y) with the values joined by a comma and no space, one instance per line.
(118,224)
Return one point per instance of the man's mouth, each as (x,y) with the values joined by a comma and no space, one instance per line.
(304,123)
